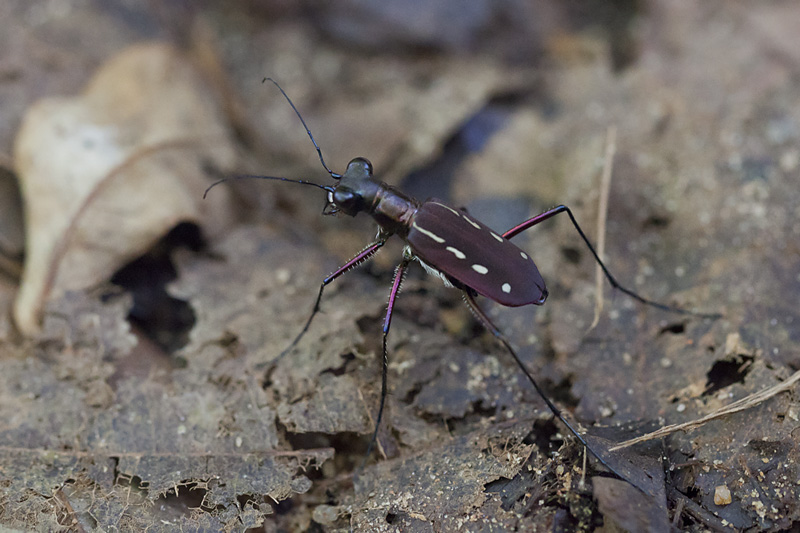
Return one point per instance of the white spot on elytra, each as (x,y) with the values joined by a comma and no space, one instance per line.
(446,207)
(496,236)
(506,288)
(474,224)
(480,269)
(524,255)
(458,253)
(428,233)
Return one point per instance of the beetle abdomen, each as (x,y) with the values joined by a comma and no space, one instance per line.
(475,255)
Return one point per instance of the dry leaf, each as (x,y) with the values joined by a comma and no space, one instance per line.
(107,173)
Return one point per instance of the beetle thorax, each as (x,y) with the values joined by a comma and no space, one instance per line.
(358,191)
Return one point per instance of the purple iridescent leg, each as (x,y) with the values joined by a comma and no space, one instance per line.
(399,273)
(489,325)
(363,255)
(519,228)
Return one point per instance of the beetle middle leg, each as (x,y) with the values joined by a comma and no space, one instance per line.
(399,274)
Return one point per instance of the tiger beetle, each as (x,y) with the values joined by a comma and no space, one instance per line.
(450,244)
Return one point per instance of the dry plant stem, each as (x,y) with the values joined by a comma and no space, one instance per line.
(583,470)
(698,512)
(602,212)
(676,517)
(739,405)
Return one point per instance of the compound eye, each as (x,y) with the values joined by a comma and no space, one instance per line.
(362,164)
(347,200)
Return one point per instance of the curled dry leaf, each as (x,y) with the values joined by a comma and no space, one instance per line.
(11,232)
(107,173)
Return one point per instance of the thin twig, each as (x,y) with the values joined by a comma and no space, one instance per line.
(739,405)
(706,517)
(602,212)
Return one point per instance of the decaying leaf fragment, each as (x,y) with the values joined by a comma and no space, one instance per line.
(105,174)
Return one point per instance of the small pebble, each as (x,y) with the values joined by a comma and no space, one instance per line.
(722,495)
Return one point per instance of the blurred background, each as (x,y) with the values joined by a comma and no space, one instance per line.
(503,107)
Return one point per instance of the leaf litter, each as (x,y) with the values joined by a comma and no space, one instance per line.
(702,199)
(135,142)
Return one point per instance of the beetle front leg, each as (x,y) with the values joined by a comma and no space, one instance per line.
(364,255)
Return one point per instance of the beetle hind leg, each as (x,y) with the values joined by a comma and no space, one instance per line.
(519,228)
(489,325)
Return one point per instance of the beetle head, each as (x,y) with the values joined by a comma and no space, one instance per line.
(356,190)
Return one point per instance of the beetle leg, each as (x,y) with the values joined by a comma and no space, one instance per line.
(519,228)
(399,274)
(363,255)
(489,325)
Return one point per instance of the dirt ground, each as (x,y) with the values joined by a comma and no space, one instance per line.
(141,324)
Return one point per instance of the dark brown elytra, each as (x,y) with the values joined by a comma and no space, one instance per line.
(452,245)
